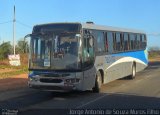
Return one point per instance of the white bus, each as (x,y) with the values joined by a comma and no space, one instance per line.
(83,56)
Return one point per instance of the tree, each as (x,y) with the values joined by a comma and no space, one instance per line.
(154,48)
(22,46)
(154,51)
(5,50)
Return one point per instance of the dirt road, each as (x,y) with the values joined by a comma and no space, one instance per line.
(14,82)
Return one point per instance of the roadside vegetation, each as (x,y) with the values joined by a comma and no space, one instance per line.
(154,54)
(6,70)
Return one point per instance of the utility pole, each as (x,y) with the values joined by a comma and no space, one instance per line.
(14,34)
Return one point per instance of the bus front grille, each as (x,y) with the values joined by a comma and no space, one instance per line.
(50,80)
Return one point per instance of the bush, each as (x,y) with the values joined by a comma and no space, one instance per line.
(5,50)
(153,54)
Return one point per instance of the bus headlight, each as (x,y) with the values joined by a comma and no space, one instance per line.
(34,78)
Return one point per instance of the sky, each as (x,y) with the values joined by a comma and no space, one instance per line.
(135,14)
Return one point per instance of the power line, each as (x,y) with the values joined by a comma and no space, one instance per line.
(2,18)
(25,25)
(17,22)
(6,22)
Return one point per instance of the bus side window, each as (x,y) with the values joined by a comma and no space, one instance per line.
(143,41)
(118,42)
(126,45)
(129,43)
(106,42)
(122,42)
(132,41)
(100,42)
(138,42)
(114,41)
(110,42)
(135,42)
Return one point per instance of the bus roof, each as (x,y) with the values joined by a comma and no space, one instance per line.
(110,28)
(97,27)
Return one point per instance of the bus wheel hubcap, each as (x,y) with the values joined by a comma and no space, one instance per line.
(133,72)
(99,81)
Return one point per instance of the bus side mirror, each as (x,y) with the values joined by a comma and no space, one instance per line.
(28,35)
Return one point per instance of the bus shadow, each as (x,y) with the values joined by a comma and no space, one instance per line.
(72,94)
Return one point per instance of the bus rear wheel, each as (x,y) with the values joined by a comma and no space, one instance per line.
(98,83)
(133,74)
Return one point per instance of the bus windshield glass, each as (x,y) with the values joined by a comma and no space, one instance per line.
(55,49)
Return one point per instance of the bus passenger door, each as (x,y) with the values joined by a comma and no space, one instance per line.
(88,60)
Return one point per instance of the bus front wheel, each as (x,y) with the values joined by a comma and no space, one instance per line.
(133,74)
(98,82)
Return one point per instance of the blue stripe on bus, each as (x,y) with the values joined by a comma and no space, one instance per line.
(141,55)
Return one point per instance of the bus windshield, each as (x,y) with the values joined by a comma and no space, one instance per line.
(55,51)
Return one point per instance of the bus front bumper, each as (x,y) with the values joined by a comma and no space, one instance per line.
(58,87)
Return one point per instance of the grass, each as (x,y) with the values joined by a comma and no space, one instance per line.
(154,56)
(14,70)
(10,74)
(17,70)
(12,67)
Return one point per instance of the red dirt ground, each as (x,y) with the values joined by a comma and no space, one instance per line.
(18,81)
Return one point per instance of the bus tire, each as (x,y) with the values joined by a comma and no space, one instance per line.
(98,83)
(133,74)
